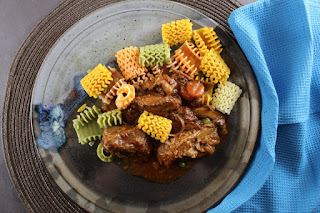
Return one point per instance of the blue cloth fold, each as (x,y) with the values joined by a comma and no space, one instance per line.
(281,40)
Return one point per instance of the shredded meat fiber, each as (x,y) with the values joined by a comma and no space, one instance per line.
(193,144)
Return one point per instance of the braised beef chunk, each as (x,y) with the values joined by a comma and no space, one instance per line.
(109,107)
(215,116)
(193,144)
(184,119)
(180,79)
(156,104)
(168,85)
(126,142)
(131,115)
(196,103)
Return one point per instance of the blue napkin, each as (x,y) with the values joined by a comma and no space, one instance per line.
(281,39)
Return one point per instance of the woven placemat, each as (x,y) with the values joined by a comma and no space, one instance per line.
(33,184)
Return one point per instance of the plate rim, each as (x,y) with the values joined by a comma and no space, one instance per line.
(145,1)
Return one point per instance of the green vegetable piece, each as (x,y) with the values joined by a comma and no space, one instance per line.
(201,74)
(182,164)
(82,108)
(102,156)
(206,121)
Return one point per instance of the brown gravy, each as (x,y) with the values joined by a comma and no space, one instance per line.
(152,171)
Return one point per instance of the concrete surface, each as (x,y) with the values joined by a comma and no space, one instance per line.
(17,19)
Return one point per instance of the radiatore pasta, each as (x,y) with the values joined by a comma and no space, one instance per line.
(96,81)
(89,114)
(125,94)
(86,125)
(206,39)
(113,91)
(102,156)
(145,81)
(154,55)
(110,118)
(214,68)
(156,126)
(225,97)
(156,71)
(128,62)
(177,32)
(187,59)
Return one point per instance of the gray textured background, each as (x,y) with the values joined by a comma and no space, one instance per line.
(17,19)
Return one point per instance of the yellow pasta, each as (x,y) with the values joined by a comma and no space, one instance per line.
(214,68)
(207,39)
(125,95)
(225,97)
(156,126)
(128,61)
(207,96)
(96,81)
(207,99)
(177,32)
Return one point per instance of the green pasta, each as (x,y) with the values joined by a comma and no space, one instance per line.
(102,156)
(154,55)
(86,125)
(86,116)
(110,118)
(89,132)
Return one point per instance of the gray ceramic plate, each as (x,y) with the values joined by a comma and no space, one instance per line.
(98,186)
